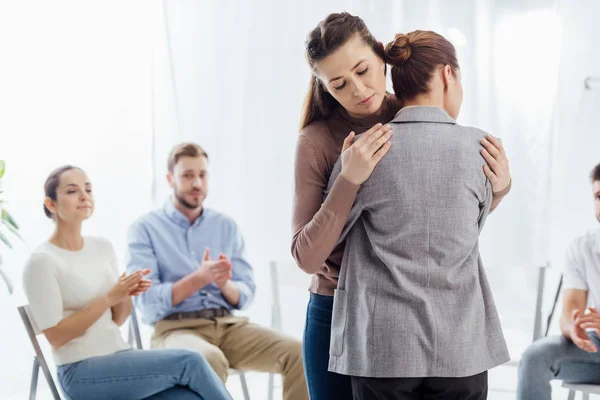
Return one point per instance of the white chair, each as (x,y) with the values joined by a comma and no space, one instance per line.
(39,361)
(284,273)
(134,338)
(586,390)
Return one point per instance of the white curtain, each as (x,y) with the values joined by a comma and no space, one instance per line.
(237,80)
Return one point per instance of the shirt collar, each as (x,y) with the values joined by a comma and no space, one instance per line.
(177,216)
(423,114)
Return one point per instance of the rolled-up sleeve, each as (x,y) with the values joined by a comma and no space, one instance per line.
(242,271)
(157,302)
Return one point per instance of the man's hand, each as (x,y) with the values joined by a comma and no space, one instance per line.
(215,271)
(222,281)
(590,321)
(578,334)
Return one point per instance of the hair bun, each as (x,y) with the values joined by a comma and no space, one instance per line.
(398,51)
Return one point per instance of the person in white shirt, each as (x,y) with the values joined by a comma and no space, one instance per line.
(573,356)
(78,301)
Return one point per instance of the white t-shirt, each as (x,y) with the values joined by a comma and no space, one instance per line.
(60,282)
(582,269)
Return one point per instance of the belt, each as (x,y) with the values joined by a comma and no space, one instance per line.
(208,313)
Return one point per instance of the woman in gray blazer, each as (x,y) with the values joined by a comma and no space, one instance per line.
(413,314)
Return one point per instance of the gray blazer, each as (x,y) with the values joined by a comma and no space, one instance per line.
(413,299)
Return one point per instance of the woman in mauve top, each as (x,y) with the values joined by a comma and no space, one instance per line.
(346,97)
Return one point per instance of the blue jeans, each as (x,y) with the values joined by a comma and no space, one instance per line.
(142,374)
(556,357)
(322,384)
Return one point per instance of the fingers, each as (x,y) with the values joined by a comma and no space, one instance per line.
(380,142)
(223,262)
(348,141)
(367,138)
(206,256)
(133,278)
(220,269)
(593,310)
(492,149)
(131,286)
(490,174)
(381,152)
(590,325)
(586,345)
(587,318)
(142,287)
(497,143)
(368,141)
(370,132)
(146,271)
(492,162)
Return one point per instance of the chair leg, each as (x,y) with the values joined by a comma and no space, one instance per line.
(271,385)
(244,386)
(34,379)
(571,395)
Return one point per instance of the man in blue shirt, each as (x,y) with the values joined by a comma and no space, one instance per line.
(199,276)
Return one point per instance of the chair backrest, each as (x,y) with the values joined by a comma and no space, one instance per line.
(285,273)
(39,356)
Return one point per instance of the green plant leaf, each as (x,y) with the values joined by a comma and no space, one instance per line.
(2,168)
(12,229)
(5,240)
(7,217)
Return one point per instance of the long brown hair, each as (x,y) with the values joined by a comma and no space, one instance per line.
(331,34)
(414,57)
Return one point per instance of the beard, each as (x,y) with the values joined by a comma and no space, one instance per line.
(181,199)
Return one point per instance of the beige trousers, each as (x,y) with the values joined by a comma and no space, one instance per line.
(233,342)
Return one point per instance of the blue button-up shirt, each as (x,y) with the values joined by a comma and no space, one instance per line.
(165,242)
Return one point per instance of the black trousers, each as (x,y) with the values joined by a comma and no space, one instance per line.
(468,388)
